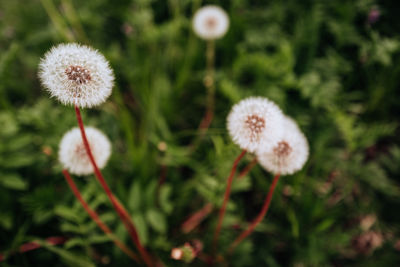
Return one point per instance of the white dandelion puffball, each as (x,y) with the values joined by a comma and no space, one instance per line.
(72,153)
(76,75)
(255,123)
(210,22)
(289,154)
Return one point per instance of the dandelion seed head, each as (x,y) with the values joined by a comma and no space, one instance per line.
(76,75)
(289,154)
(255,122)
(72,153)
(210,22)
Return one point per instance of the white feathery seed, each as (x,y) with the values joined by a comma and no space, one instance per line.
(76,75)
(289,153)
(72,153)
(255,123)
(210,22)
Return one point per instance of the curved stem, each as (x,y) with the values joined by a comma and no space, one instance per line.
(248,168)
(121,211)
(51,241)
(195,219)
(209,82)
(226,199)
(97,219)
(259,217)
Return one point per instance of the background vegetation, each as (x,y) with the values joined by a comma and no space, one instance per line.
(332,65)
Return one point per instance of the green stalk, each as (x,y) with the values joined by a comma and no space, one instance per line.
(73,19)
(58,21)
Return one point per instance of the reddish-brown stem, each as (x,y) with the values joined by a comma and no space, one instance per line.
(97,219)
(248,168)
(206,121)
(121,211)
(210,85)
(226,198)
(194,220)
(259,217)
(53,240)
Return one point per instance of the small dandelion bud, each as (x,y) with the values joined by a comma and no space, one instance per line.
(72,153)
(176,253)
(289,153)
(210,22)
(255,122)
(185,253)
(76,75)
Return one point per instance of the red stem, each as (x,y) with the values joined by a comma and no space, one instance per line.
(96,218)
(53,240)
(194,220)
(226,198)
(260,216)
(121,211)
(248,168)
(210,85)
(206,121)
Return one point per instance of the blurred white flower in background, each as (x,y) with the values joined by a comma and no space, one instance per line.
(210,22)
(76,75)
(289,153)
(72,153)
(255,123)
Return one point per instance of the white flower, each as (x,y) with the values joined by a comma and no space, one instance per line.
(72,153)
(290,152)
(255,122)
(210,22)
(76,75)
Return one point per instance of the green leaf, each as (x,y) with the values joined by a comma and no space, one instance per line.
(74,242)
(134,199)
(150,194)
(6,221)
(13,181)
(325,224)
(19,160)
(68,227)
(97,239)
(157,220)
(66,213)
(242,184)
(165,202)
(141,226)
(72,259)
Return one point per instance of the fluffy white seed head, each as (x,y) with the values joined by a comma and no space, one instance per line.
(255,123)
(289,153)
(72,153)
(76,75)
(210,22)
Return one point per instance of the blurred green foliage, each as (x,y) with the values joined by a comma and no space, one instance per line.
(330,64)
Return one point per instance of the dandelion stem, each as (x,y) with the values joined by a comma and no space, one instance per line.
(96,218)
(210,86)
(226,199)
(248,168)
(51,241)
(209,83)
(259,217)
(195,219)
(121,211)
